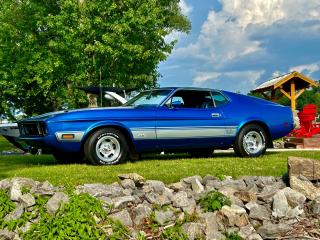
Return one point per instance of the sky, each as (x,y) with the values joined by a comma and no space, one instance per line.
(236,45)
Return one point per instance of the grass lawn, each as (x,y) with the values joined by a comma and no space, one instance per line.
(168,168)
(5,145)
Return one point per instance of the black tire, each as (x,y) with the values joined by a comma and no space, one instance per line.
(64,157)
(257,134)
(201,153)
(114,141)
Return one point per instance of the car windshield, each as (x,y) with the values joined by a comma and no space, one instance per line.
(149,98)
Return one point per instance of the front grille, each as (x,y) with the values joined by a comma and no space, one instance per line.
(32,129)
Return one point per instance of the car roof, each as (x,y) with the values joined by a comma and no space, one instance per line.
(187,88)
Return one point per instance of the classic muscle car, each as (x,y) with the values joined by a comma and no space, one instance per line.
(193,120)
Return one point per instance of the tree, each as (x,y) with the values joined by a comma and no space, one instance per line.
(48,48)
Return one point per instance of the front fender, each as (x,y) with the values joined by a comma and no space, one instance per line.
(101,124)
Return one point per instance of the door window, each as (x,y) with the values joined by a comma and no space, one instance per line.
(191,99)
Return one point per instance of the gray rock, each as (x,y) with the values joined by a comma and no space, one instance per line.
(294,212)
(196,186)
(154,198)
(309,168)
(121,202)
(246,196)
(26,227)
(5,184)
(304,186)
(235,215)
(208,178)
(106,201)
(178,186)
(123,217)
(99,189)
(280,206)
(128,184)
(180,199)
(163,217)
(294,198)
(230,193)
(25,182)
(259,212)
(6,235)
(263,181)
(230,183)
(136,178)
(250,181)
(270,230)
(267,194)
(213,223)
(190,209)
(246,231)
(188,180)
(44,188)
(194,230)
(15,191)
(15,215)
(153,185)
(141,212)
(215,236)
(55,202)
(254,236)
(315,207)
(27,200)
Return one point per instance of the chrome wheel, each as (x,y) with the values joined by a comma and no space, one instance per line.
(253,142)
(108,149)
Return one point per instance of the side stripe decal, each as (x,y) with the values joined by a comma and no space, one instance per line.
(183,132)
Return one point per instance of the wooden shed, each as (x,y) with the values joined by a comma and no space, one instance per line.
(291,85)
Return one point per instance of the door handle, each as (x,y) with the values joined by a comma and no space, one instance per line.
(215,115)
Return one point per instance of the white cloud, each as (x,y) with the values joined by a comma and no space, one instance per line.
(186,9)
(236,80)
(228,34)
(306,68)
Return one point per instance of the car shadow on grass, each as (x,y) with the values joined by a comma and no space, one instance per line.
(179,156)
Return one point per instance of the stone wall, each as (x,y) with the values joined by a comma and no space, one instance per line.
(262,207)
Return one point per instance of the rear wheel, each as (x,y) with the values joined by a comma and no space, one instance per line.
(202,153)
(251,141)
(106,146)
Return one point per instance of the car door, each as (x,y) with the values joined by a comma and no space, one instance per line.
(185,123)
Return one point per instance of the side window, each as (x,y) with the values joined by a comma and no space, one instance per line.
(219,99)
(191,99)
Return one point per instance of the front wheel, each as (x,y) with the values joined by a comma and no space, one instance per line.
(251,141)
(106,146)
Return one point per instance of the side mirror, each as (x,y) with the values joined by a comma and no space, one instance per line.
(176,104)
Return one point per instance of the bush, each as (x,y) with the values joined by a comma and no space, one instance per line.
(213,201)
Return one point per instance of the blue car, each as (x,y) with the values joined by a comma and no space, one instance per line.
(193,120)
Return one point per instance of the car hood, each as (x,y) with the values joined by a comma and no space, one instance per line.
(78,114)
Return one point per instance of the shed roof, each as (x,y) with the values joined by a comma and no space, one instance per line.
(301,80)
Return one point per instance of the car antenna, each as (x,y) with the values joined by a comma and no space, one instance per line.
(100,90)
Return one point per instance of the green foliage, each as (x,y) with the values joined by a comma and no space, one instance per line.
(49,48)
(233,236)
(141,236)
(213,201)
(75,220)
(6,205)
(174,233)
